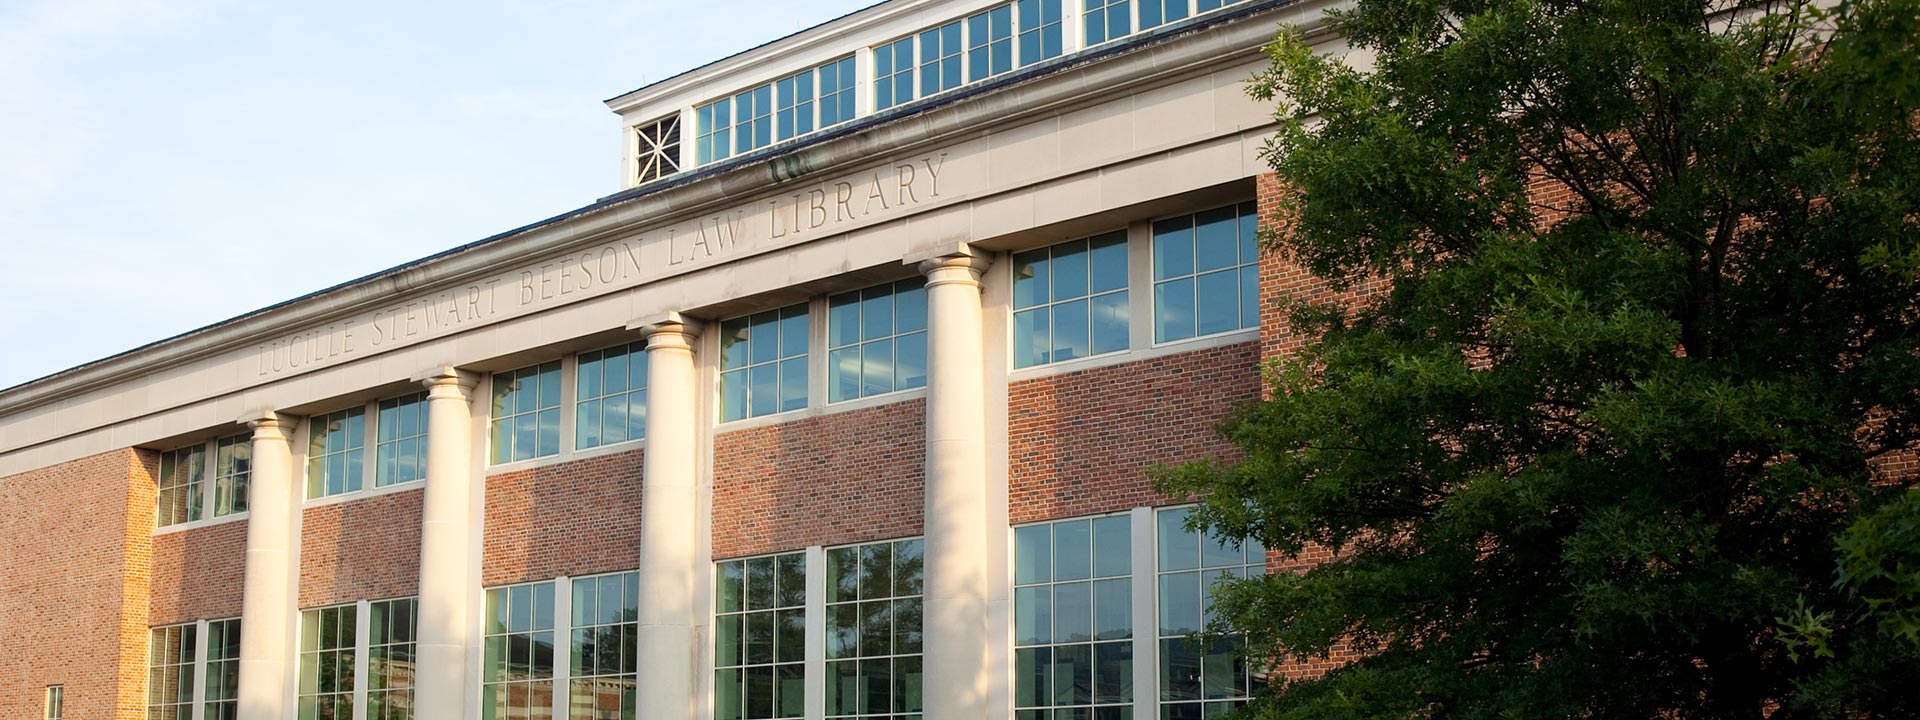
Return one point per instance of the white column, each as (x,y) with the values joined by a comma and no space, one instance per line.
(446,538)
(266,606)
(668,523)
(956,499)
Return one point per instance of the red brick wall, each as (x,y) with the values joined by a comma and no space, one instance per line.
(573,518)
(1080,442)
(73,585)
(838,478)
(366,549)
(197,574)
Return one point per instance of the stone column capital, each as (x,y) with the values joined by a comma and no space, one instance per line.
(446,381)
(269,425)
(667,331)
(965,268)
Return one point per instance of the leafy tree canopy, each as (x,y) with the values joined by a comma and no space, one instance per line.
(1621,434)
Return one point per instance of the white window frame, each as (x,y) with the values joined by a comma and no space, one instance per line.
(209,483)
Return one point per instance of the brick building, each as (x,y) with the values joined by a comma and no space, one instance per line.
(838,409)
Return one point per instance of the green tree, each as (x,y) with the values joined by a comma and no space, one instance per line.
(1609,439)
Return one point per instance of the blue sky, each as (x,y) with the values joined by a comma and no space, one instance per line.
(166,164)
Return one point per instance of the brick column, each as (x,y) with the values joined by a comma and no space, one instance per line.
(956,499)
(446,544)
(266,608)
(668,521)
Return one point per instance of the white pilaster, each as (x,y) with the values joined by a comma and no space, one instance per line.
(956,498)
(668,523)
(446,538)
(266,606)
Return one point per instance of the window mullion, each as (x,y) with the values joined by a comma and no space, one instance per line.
(562,645)
(362,635)
(1146,626)
(198,711)
(816,668)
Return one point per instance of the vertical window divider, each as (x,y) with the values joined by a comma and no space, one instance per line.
(199,670)
(563,630)
(816,648)
(362,642)
(863,81)
(569,379)
(1146,623)
(1073,36)
(1140,284)
(370,458)
(817,372)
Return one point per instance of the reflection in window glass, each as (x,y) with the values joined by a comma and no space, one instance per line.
(517,671)
(760,638)
(610,394)
(1196,680)
(1107,20)
(877,340)
(713,131)
(940,58)
(232,469)
(605,647)
(1206,273)
(400,454)
(874,632)
(327,638)
(1040,23)
(223,670)
(526,413)
(390,657)
(990,43)
(335,450)
(763,363)
(836,92)
(1070,300)
(182,473)
(1073,619)
(893,73)
(170,671)
(753,119)
(1154,13)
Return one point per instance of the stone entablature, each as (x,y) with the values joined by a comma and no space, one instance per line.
(1035,160)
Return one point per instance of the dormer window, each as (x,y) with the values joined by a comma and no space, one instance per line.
(658,149)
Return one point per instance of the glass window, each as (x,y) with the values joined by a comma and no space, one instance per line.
(893,73)
(605,647)
(763,363)
(400,455)
(713,131)
(940,58)
(1073,618)
(170,671)
(1039,30)
(610,393)
(56,702)
(335,450)
(1154,13)
(1199,680)
(658,149)
(990,43)
(1205,5)
(182,473)
(1206,273)
(517,672)
(232,468)
(223,670)
(753,119)
(836,92)
(327,639)
(877,340)
(1108,20)
(873,628)
(390,658)
(526,413)
(759,638)
(795,96)
(1070,300)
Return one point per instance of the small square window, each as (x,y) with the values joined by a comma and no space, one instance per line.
(763,363)
(877,340)
(610,396)
(1070,300)
(400,455)
(1206,273)
(526,413)
(336,451)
